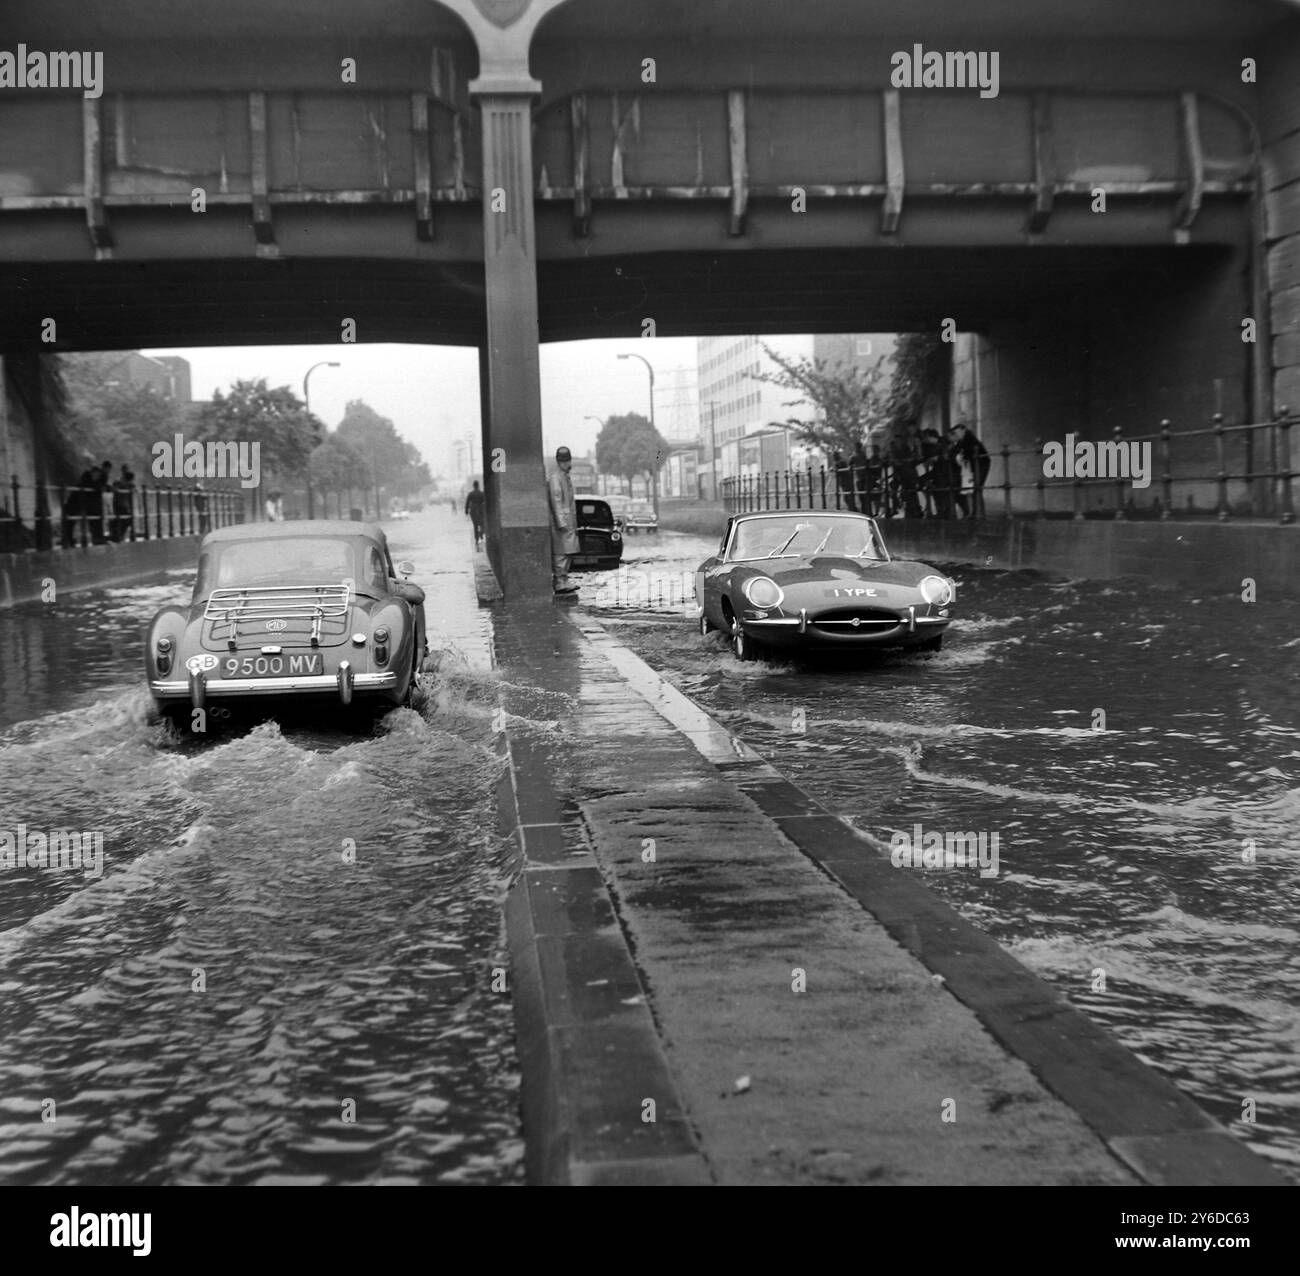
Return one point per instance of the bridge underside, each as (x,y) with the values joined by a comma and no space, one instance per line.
(298,301)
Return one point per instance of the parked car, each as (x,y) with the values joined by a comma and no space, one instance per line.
(818,579)
(400,515)
(309,610)
(616,502)
(599,539)
(641,517)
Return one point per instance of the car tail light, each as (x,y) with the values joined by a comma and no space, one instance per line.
(380,649)
(163,657)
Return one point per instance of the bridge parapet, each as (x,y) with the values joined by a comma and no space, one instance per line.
(879,147)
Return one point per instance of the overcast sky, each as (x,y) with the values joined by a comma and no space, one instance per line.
(431,392)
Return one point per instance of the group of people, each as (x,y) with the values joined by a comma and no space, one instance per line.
(100,508)
(926,474)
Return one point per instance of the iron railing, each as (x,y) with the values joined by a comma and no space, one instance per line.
(1221,471)
(50,516)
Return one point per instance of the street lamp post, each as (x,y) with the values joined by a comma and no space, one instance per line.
(654,478)
(306,398)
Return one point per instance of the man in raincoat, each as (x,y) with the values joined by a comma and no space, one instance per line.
(564,521)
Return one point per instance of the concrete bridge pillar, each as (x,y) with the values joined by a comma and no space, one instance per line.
(514,475)
(513,468)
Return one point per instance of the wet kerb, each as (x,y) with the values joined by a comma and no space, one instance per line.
(590,1054)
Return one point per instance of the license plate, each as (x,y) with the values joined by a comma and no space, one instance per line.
(293,665)
(585,560)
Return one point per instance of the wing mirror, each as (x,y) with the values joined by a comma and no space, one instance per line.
(407,568)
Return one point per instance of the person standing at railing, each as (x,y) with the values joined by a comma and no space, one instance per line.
(101,503)
(976,457)
(124,506)
(903,456)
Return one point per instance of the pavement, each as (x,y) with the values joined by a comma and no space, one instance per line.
(715,980)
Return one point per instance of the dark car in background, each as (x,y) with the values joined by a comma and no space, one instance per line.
(308,610)
(600,543)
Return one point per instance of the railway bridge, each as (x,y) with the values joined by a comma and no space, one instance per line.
(1110,225)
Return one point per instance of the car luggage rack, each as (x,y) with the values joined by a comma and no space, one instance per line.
(277,602)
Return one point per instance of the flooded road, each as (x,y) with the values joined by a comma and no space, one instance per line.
(283,971)
(1150,870)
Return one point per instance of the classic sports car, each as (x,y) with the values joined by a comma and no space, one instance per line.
(600,543)
(806,578)
(308,609)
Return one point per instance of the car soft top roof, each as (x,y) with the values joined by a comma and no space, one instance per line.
(295,528)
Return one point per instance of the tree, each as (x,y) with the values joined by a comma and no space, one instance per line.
(849,401)
(629,446)
(276,418)
(385,457)
(337,466)
(922,371)
(102,417)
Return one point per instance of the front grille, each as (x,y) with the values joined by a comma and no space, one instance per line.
(869,619)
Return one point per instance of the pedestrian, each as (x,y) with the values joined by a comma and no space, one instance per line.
(976,456)
(274,507)
(124,506)
(474,508)
(564,521)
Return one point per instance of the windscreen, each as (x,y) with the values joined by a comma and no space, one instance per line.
(798,537)
(307,560)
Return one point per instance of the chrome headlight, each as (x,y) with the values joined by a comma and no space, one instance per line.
(615,536)
(764,592)
(936,590)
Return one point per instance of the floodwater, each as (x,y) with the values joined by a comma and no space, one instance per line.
(1149,870)
(284,970)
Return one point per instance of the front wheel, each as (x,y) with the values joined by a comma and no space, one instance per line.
(743,646)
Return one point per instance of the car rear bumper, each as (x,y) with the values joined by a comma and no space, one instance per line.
(314,684)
